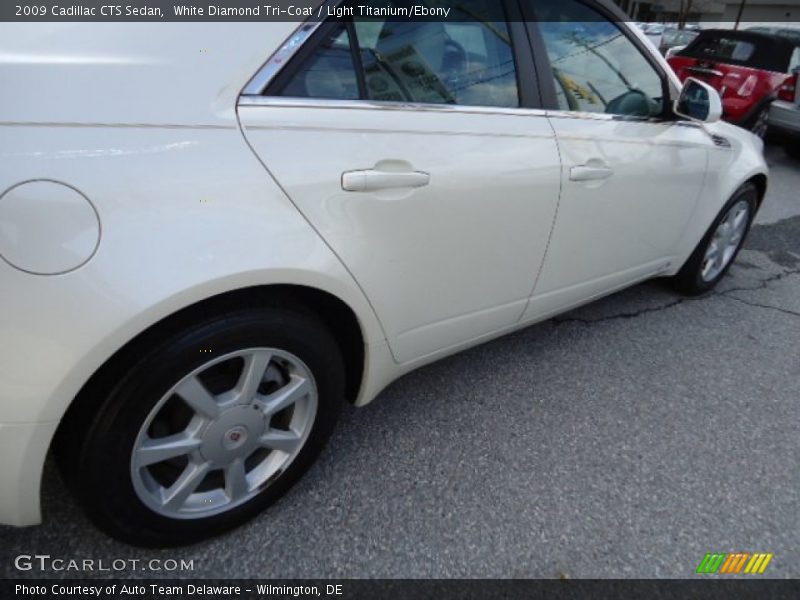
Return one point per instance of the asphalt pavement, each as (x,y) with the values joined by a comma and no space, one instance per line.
(624,439)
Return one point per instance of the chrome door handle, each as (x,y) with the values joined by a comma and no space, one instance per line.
(590,173)
(371,180)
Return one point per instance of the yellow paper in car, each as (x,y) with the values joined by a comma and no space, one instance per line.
(405,75)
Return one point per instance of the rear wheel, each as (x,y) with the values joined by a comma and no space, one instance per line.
(209,427)
(717,250)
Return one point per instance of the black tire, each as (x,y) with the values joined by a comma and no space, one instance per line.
(689,279)
(793,149)
(98,468)
(758,123)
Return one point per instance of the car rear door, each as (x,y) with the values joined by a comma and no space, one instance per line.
(631,177)
(416,150)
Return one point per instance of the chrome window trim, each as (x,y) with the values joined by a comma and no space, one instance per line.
(323,103)
(597,116)
(276,63)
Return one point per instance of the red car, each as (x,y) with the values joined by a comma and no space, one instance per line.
(749,70)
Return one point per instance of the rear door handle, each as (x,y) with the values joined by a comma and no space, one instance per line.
(590,173)
(371,180)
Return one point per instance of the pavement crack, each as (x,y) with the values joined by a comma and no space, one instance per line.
(626,315)
(768,306)
(762,285)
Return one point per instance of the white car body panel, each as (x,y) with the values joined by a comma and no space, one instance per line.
(131,73)
(728,168)
(142,120)
(633,219)
(449,240)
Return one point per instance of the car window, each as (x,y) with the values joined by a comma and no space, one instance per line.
(755,51)
(794,62)
(792,35)
(467,59)
(721,48)
(596,67)
(328,73)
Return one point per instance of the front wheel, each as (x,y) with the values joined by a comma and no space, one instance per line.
(718,249)
(209,427)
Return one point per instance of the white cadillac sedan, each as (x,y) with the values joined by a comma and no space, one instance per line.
(215,235)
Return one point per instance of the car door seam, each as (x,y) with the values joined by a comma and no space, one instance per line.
(552,225)
(314,229)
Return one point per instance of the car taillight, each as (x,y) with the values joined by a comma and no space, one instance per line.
(787,90)
(748,86)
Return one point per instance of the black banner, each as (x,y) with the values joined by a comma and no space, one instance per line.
(163,10)
(264,10)
(249,589)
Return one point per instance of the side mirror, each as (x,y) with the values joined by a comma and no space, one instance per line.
(698,102)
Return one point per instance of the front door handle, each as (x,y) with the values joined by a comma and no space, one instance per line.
(371,180)
(590,173)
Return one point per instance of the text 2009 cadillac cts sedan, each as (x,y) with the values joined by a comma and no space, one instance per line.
(215,235)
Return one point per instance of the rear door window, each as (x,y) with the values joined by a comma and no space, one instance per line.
(329,72)
(467,59)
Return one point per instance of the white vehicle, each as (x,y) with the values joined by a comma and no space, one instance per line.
(673,51)
(655,32)
(215,235)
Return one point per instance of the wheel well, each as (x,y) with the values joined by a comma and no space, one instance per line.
(332,311)
(760,181)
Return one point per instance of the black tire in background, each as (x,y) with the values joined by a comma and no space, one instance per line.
(792,148)
(758,123)
(95,456)
(689,279)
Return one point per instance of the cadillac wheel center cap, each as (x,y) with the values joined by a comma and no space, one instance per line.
(234,437)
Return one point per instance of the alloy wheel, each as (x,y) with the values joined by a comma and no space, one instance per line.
(726,240)
(223,433)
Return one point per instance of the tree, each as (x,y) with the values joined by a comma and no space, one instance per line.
(687,7)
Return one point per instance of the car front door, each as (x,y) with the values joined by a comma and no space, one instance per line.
(632,175)
(416,151)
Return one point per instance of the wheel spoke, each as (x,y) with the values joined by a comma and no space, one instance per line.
(725,232)
(236,485)
(253,372)
(176,495)
(278,439)
(198,397)
(157,450)
(708,264)
(719,261)
(713,249)
(740,224)
(287,395)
